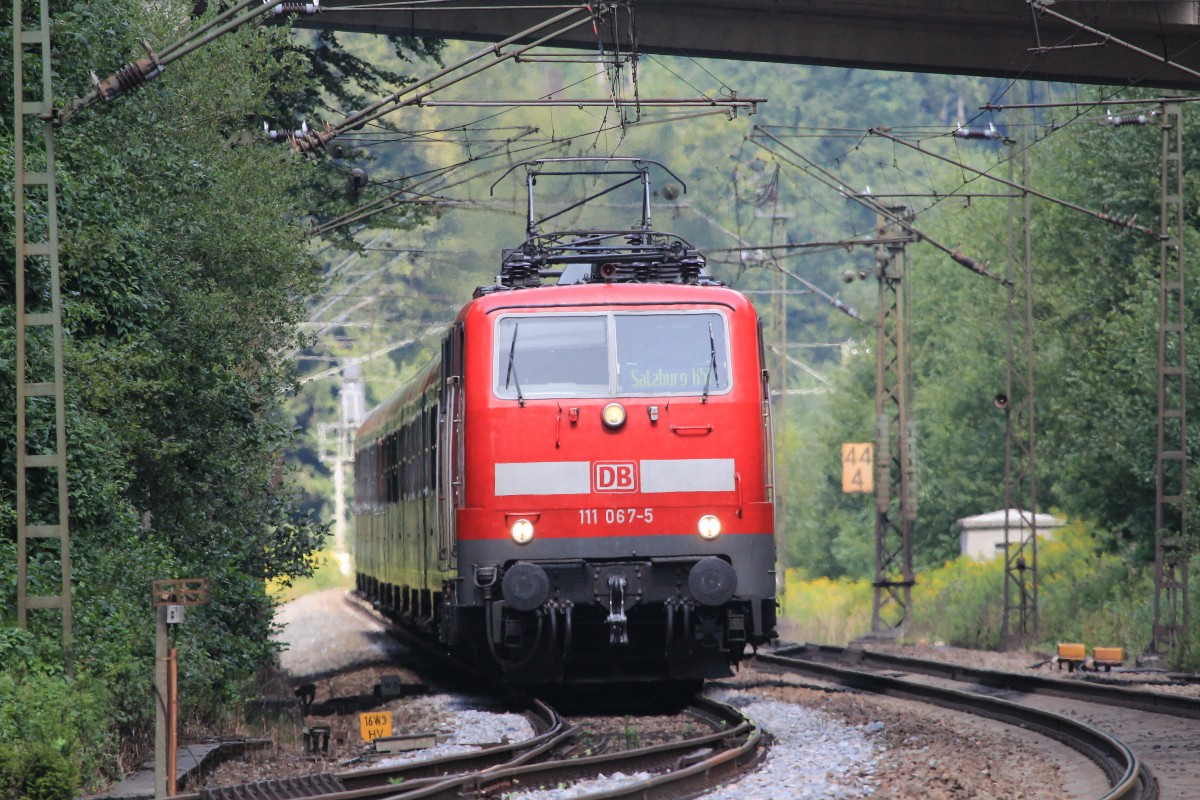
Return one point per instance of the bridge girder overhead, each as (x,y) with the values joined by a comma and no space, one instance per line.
(996,38)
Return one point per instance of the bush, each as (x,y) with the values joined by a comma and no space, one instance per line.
(960,603)
(824,610)
(42,773)
(11,771)
(46,718)
(49,776)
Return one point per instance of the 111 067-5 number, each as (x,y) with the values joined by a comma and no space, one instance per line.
(615,516)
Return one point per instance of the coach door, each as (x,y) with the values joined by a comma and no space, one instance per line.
(450,425)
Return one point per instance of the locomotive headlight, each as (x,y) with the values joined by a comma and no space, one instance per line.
(522,531)
(613,415)
(710,527)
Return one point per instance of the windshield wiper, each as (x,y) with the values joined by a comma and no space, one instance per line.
(712,365)
(512,367)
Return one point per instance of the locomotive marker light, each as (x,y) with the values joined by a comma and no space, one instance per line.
(522,531)
(709,527)
(613,415)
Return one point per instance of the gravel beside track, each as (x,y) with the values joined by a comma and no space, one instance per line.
(814,756)
(1152,712)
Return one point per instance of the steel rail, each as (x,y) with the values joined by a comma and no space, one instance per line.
(734,745)
(1085,689)
(382,781)
(378,781)
(689,764)
(1129,779)
(552,731)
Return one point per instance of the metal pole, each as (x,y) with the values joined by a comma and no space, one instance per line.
(161,679)
(1170,507)
(781,408)
(895,439)
(1020,621)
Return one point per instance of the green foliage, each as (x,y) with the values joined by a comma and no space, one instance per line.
(1084,594)
(11,771)
(48,776)
(1079,588)
(54,728)
(824,610)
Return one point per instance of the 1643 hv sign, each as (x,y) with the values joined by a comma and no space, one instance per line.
(374,725)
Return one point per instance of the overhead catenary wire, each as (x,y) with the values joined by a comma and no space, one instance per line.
(822,175)
(1108,37)
(427,333)
(414,93)
(1120,222)
(398,197)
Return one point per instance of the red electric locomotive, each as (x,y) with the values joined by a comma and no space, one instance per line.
(579,488)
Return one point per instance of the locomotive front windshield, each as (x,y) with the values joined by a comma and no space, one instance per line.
(613,354)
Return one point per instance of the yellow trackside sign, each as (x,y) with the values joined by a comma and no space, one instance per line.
(375,724)
(858,467)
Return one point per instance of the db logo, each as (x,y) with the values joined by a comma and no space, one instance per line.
(614,476)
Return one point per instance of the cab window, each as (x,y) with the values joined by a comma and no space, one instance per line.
(664,354)
(552,356)
(614,354)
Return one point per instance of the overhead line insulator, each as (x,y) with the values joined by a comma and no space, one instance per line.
(307,9)
(1128,119)
(989,132)
(130,76)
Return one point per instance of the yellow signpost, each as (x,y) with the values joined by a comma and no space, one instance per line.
(374,724)
(858,467)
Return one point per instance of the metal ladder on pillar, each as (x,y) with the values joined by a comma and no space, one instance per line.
(40,396)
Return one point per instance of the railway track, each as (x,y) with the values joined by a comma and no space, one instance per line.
(725,744)
(1146,743)
(728,745)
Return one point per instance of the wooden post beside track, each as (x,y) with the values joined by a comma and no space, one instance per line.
(172,720)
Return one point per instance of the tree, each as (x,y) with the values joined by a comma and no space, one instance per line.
(185,260)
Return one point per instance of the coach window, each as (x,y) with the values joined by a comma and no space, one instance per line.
(672,353)
(552,356)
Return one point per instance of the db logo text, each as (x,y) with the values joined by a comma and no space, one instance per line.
(614,476)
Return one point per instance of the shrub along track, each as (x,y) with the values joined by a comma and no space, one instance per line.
(1156,755)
